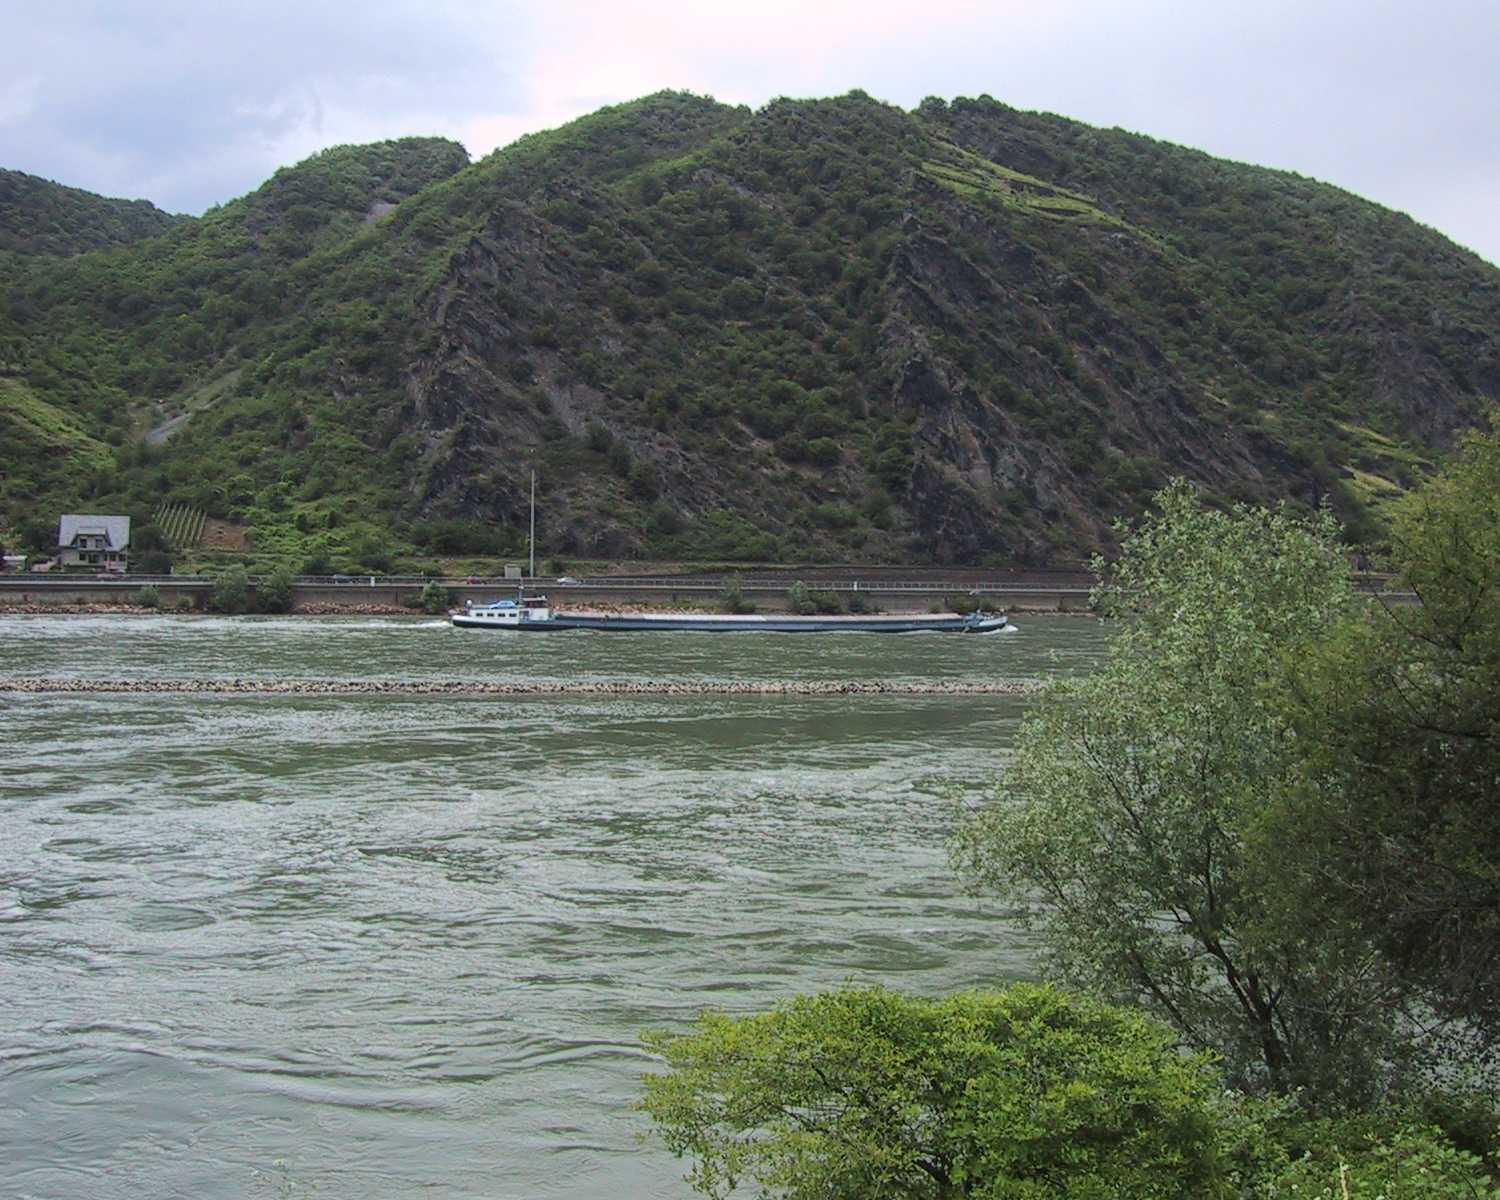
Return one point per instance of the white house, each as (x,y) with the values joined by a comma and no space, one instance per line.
(88,540)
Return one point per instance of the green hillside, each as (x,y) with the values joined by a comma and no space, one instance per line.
(826,329)
(47,452)
(41,217)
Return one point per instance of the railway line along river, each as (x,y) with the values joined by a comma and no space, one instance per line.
(401,935)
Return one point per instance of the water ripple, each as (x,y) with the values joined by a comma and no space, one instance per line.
(374,946)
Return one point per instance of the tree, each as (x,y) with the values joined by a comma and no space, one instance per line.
(274,593)
(732,597)
(799,598)
(1397,829)
(231,592)
(37,535)
(867,1093)
(153,562)
(1124,818)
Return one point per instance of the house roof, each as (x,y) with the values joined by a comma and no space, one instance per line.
(116,529)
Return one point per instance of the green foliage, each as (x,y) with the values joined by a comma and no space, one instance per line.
(41,217)
(1444,1147)
(1411,1162)
(1396,830)
(732,597)
(864,1092)
(1275,1148)
(772,317)
(723,535)
(804,600)
(37,535)
(464,537)
(435,597)
(1134,793)
(273,592)
(231,592)
(149,596)
(47,452)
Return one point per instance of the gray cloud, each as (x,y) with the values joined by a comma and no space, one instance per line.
(189,104)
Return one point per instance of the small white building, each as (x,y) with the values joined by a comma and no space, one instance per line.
(90,540)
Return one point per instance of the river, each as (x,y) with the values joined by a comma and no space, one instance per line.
(380,946)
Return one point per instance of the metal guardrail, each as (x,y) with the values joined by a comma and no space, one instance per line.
(27,580)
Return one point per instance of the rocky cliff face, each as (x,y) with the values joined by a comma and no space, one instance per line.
(833,329)
(1028,361)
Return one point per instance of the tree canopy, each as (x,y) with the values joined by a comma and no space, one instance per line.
(1269,821)
(1025,1094)
(1397,829)
(1125,819)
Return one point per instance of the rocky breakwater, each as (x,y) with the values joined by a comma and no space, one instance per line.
(460,688)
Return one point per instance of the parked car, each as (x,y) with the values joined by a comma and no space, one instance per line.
(567,579)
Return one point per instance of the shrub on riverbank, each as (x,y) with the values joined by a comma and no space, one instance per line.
(1024,1094)
(732,598)
(435,598)
(865,1092)
(231,593)
(275,591)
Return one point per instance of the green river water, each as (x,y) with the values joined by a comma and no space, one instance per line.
(382,946)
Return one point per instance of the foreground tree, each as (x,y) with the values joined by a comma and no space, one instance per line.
(1397,831)
(863,1093)
(1125,819)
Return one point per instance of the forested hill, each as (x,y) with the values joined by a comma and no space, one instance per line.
(826,329)
(41,217)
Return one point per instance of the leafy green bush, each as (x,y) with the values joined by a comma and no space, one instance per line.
(1358,1158)
(803,599)
(435,598)
(273,594)
(1446,1147)
(827,603)
(823,452)
(732,597)
(149,596)
(231,593)
(1025,1093)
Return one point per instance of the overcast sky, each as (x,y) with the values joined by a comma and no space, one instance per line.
(192,102)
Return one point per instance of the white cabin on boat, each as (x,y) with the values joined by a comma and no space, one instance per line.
(504,614)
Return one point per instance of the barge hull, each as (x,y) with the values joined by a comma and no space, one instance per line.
(557,623)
